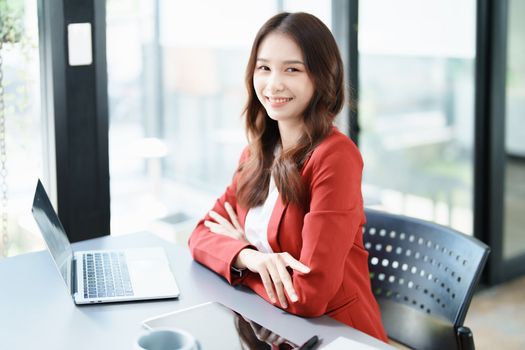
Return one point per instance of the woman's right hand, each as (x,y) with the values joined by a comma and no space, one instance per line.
(272,269)
(222,226)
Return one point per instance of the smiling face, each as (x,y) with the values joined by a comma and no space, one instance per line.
(280,79)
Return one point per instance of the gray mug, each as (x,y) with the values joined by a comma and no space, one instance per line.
(167,339)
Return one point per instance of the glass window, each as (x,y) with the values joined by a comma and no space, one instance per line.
(21,126)
(176,93)
(514,191)
(416,108)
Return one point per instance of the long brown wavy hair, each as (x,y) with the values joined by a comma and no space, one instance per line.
(325,67)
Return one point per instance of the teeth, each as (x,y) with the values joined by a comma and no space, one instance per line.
(279,100)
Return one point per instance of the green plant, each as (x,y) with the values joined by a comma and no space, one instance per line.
(11,21)
(11,32)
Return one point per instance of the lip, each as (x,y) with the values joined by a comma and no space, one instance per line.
(278,101)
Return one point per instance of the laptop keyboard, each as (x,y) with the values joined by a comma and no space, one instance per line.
(106,275)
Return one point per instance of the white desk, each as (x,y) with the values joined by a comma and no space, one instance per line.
(37,312)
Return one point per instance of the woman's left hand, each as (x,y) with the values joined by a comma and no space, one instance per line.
(223,226)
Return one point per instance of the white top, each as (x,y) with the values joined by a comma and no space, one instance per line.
(257,219)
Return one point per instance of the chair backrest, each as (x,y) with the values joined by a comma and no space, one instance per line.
(423,276)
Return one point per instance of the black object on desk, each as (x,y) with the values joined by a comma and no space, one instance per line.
(310,343)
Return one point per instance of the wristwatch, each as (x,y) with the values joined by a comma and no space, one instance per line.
(238,272)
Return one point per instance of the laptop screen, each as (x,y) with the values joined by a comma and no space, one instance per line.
(53,232)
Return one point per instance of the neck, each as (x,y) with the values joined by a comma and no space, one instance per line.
(290,133)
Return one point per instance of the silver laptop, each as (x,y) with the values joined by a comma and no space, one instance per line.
(103,276)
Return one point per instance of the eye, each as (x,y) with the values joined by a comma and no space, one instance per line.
(292,69)
(263,68)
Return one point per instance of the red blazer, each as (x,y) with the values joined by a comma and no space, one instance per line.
(327,238)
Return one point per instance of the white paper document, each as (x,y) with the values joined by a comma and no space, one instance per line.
(342,343)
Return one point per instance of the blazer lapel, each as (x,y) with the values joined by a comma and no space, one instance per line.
(273,225)
(277,214)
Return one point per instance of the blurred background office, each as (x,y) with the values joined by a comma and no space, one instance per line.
(440,119)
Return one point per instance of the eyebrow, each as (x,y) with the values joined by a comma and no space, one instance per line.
(285,62)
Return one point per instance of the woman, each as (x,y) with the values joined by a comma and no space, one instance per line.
(289,225)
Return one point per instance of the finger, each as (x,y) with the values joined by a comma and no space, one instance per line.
(215,216)
(234,234)
(219,229)
(276,278)
(233,216)
(287,281)
(228,228)
(213,226)
(267,283)
(294,263)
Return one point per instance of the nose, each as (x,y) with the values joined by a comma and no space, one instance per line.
(275,83)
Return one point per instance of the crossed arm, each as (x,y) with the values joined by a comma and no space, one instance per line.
(270,266)
(328,232)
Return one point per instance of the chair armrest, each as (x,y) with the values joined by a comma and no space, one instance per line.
(465,338)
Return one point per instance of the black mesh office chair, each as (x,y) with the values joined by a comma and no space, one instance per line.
(423,276)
